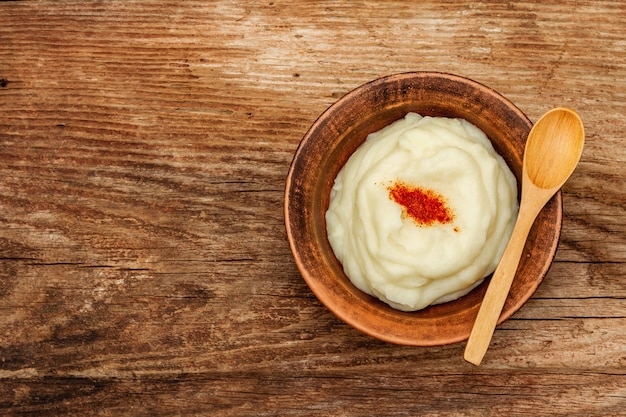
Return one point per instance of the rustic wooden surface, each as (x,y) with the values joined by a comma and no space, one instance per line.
(144,268)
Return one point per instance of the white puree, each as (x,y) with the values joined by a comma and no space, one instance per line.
(387,254)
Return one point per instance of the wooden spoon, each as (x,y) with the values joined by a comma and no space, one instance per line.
(553,149)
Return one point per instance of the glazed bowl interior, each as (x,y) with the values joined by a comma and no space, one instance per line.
(326,147)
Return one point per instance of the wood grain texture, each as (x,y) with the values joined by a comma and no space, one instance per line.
(143,263)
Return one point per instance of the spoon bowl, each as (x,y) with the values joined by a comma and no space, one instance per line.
(553,149)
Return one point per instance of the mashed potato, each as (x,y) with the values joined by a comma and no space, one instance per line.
(422,211)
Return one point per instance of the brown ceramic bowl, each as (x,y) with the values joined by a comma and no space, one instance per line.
(327,146)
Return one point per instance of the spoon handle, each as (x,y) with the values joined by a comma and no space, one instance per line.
(500,284)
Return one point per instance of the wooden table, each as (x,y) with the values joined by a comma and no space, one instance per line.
(144,268)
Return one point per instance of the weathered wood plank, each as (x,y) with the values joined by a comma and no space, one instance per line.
(143,263)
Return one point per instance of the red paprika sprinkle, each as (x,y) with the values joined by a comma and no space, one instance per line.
(424,206)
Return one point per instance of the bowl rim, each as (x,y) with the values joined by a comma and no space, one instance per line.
(318,289)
